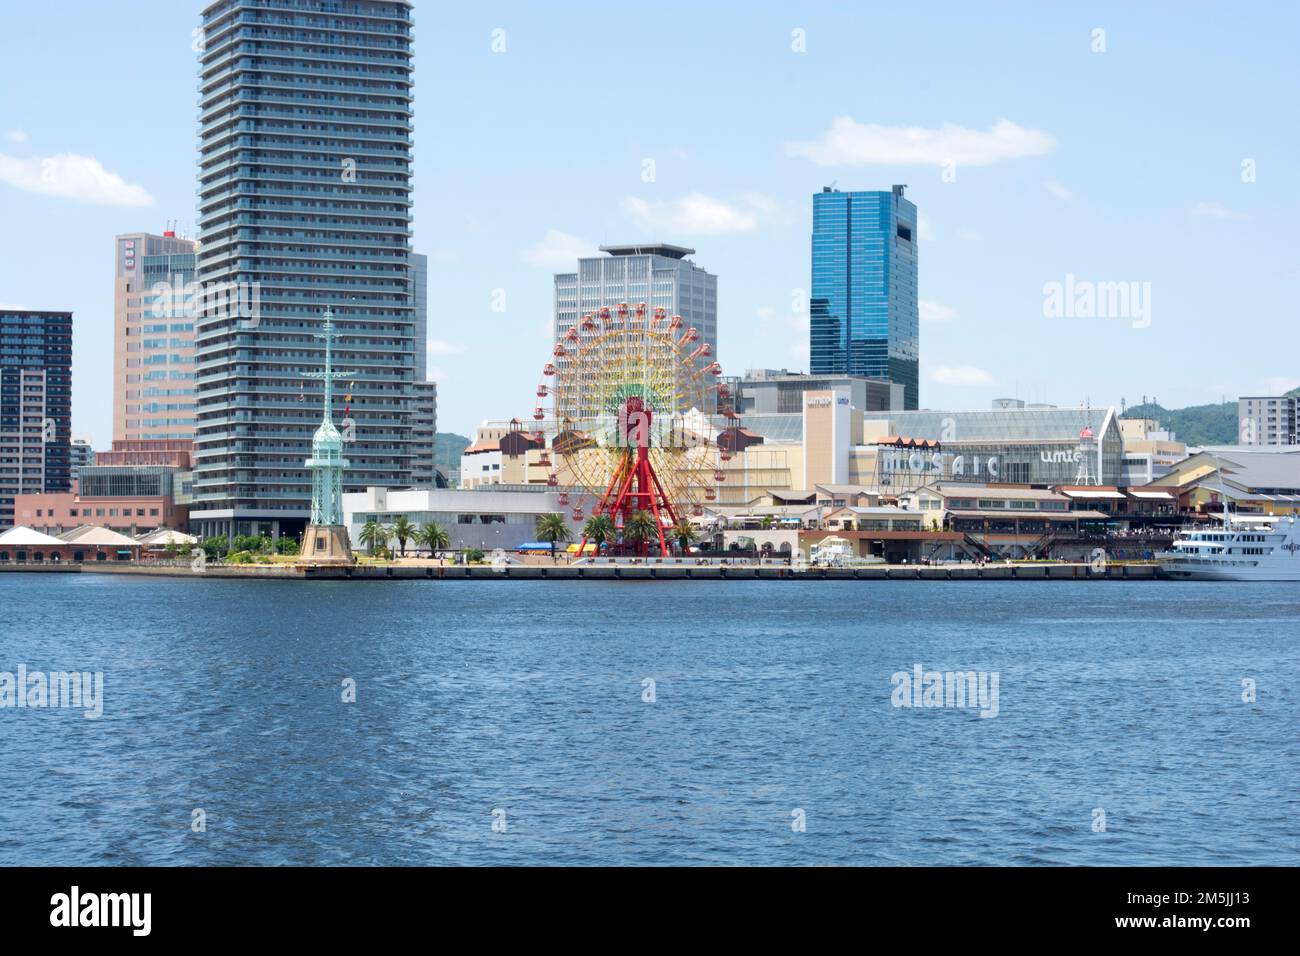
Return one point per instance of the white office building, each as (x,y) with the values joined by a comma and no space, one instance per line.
(657,274)
(1267,419)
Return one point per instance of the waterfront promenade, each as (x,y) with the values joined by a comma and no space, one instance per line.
(1028,571)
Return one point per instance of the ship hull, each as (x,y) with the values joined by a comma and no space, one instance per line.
(1182,571)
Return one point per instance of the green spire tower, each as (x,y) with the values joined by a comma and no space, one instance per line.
(326,539)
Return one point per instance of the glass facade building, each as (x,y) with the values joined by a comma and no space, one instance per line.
(35,405)
(864,314)
(1034,446)
(304,203)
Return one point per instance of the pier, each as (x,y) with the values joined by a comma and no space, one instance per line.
(641,572)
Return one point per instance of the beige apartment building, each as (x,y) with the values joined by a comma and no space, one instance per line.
(153,350)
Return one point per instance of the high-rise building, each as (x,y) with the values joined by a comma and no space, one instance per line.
(153,324)
(864,314)
(35,405)
(424,416)
(1268,420)
(656,274)
(420,292)
(81,452)
(424,428)
(304,204)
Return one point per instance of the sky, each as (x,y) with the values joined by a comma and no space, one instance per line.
(1049,149)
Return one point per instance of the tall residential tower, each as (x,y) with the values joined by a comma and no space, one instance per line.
(304,205)
(864,314)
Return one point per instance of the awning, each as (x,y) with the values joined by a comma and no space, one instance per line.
(1093,494)
(1033,515)
(1163,495)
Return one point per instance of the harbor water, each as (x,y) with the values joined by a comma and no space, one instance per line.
(650,722)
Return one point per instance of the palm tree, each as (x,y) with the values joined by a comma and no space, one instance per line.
(553,528)
(434,537)
(684,533)
(374,535)
(403,530)
(599,530)
(641,528)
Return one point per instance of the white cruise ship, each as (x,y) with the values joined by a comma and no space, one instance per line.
(1241,548)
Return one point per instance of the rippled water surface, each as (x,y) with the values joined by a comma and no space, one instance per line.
(771,697)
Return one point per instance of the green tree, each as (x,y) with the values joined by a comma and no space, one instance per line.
(641,528)
(553,528)
(434,537)
(287,545)
(374,536)
(599,530)
(252,543)
(684,534)
(215,547)
(403,531)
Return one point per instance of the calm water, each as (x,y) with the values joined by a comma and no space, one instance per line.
(771,697)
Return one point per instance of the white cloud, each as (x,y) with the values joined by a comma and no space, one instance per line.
(960,375)
(850,143)
(769,317)
(18,136)
(72,177)
(924,230)
(934,312)
(442,255)
(697,213)
(559,250)
(1215,210)
(1063,193)
(440,347)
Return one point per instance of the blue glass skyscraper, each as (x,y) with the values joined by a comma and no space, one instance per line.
(863,308)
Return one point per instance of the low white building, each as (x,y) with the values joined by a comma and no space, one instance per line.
(500,518)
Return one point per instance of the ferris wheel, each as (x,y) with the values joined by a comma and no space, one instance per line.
(632,403)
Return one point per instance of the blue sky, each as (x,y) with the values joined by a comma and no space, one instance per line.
(1117,166)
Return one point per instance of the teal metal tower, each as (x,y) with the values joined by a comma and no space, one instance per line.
(326,538)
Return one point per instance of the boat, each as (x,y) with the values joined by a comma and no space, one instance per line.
(1238,548)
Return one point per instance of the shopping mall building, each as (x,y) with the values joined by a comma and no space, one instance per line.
(831,441)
